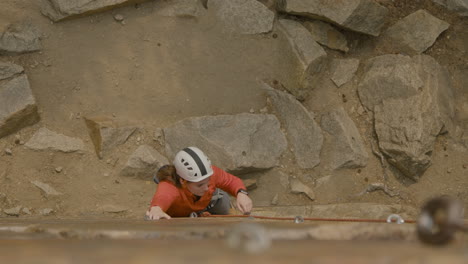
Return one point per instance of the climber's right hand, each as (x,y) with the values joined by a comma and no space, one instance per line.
(156,213)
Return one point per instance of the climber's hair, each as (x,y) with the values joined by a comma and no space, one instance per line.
(168,173)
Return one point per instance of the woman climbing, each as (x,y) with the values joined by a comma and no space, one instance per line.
(193,186)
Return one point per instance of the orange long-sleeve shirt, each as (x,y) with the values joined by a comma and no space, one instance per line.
(180,202)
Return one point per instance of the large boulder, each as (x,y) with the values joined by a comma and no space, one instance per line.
(179,8)
(18,107)
(8,70)
(310,55)
(144,162)
(348,150)
(61,9)
(20,38)
(364,16)
(458,6)
(388,76)
(343,70)
(243,16)
(304,135)
(107,133)
(44,139)
(238,143)
(415,33)
(327,35)
(412,100)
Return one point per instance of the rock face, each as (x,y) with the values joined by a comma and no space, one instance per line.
(327,35)
(61,9)
(298,187)
(304,135)
(365,16)
(347,145)
(343,70)
(106,133)
(179,8)
(413,101)
(238,143)
(309,54)
(15,211)
(47,189)
(8,70)
(458,6)
(19,38)
(144,162)
(18,107)
(44,139)
(415,33)
(243,16)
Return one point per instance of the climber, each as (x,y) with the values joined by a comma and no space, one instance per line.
(192,186)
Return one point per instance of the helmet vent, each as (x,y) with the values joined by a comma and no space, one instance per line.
(190,168)
(186,163)
(196,174)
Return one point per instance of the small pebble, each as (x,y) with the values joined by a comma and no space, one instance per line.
(106,174)
(58,169)
(449,170)
(252,110)
(8,151)
(465,166)
(118,17)
(117,181)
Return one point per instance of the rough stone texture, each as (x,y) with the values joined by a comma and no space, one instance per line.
(304,135)
(58,10)
(47,189)
(237,143)
(158,136)
(346,143)
(298,187)
(8,70)
(18,107)
(458,6)
(114,208)
(308,52)
(144,162)
(275,183)
(408,122)
(243,16)
(388,76)
(15,211)
(44,139)
(107,133)
(327,35)
(250,184)
(342,210)
(19,38)
(415,33)
(343,70)
(179,8)
(365,16)
(46,211)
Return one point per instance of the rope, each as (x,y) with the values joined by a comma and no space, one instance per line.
(312,219)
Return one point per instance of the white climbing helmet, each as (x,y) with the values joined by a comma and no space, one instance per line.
(192,164)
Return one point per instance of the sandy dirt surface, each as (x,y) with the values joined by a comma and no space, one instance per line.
(154,71)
